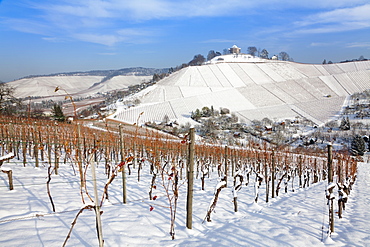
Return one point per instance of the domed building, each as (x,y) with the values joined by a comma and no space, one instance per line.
(235,50)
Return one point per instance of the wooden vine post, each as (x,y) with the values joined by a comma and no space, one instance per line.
(41,146)
(273,174)
(49,146)
(330,188)
(56,156)
(233,162)
(123,168)
(8,171)
(226,157)
(300,170)
(36,147)
(266,167)
(79,156)
(24,146)
(97,207)
(190,170)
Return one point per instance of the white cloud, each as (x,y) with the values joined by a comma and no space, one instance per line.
(318,44)
(140,10)
(27,26)
(338,20)
(53,39)
(359,44)
(128,35)
(109,22)
(103,39)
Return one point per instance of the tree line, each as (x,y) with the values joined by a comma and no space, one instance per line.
(252,50)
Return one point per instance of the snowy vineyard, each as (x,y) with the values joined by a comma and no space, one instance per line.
(69,169)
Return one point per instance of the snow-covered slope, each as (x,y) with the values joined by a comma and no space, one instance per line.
(75,85)
(253,88)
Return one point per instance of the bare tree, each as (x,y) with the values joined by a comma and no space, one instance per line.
(197,60)
(252,50)
(264,54)
(211,54)
(284,56)
(7,99)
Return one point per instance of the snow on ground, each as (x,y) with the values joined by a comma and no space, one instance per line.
(298,218)
(78,86)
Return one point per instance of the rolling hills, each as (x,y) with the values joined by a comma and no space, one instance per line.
(81,84)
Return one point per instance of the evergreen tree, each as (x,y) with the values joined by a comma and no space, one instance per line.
(206,112)
(196,115)
(58,113)
(358,146)
(212,111)
(345,124)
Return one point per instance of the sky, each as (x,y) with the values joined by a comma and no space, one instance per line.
(44,37)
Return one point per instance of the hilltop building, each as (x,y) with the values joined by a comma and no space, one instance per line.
(235,50)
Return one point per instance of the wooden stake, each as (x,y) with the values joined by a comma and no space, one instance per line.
(97,208)
(226,170)
(56,157)
(189,205)
(79,156)
(330,180)
(124,191)
(273,174)
(36,147)
(10,177)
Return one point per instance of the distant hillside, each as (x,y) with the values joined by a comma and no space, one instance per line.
(82,84)
(137,71)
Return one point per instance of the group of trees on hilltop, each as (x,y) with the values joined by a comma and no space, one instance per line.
(263,53)
(199,59)
(361,58)
(212,54)
(252,50)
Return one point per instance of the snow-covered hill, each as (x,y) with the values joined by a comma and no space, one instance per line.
(80,86)
(253,88)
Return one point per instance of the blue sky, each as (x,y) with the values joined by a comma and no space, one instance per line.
(43,37)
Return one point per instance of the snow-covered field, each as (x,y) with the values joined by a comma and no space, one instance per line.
(298,218)
(78,86)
